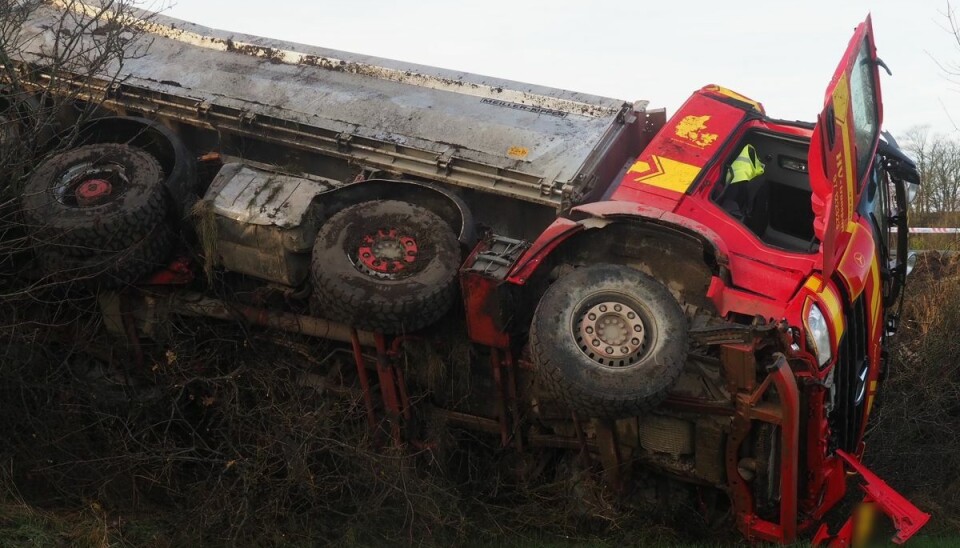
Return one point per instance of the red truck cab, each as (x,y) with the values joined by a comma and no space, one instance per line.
(807,245)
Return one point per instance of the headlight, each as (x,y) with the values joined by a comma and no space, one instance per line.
(818,334)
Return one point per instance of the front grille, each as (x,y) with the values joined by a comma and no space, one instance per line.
(850,379)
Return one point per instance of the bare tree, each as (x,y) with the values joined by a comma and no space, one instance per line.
(938,160)
(68,41)
(48,48)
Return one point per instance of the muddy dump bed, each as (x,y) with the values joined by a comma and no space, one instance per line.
(529,142)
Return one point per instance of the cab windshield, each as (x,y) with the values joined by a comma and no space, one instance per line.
(864,106)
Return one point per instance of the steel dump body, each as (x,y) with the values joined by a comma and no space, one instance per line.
(528,142)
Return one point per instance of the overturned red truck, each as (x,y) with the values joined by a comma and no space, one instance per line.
(626,292)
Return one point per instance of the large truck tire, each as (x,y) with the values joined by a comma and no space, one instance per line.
(112,270)
(608,341)
(95,198)
(387,266)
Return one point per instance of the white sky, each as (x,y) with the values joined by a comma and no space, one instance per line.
(780,53)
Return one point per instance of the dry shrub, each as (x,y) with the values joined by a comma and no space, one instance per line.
(205,222)
(240,438)
(234,437)
(914,440)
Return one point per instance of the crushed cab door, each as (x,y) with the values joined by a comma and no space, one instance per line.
(843,144)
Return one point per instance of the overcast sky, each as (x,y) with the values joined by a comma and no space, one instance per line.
(780,53)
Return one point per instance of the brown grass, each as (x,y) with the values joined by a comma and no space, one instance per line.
(205,223)
(914,440)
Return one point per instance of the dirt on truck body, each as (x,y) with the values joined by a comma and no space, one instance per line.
(704,298)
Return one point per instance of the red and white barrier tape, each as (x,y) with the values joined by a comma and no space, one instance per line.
(931,230)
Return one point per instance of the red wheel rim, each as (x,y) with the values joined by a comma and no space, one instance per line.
(388,252)
(93,191)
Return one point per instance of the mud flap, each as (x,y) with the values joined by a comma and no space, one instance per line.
(907,518)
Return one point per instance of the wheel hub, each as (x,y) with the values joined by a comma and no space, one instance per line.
(93,191)
(388,253)
(88,184)
(611,333)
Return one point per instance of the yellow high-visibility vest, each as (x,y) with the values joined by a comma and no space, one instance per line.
(746,167)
